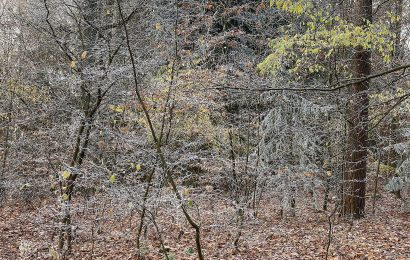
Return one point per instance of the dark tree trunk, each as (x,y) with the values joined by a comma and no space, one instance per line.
(358,119)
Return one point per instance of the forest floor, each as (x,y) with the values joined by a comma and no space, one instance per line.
(28,232)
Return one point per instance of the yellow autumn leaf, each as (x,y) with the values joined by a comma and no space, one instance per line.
(66,175)
(190,203)
(84,55)
(117,109)
(65,197)
(298,9)
(186,192)
(54,254)
(112,178)
(157,26)
(73,64)
(138,167)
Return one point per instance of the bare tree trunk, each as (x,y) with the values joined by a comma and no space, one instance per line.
(358,119)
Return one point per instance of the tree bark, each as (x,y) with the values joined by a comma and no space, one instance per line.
(358,119)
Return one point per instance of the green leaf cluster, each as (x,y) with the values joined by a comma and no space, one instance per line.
(324,33)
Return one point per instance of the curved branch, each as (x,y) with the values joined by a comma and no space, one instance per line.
(335,87)
(160,153)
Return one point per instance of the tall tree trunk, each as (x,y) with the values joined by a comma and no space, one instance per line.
(358,119)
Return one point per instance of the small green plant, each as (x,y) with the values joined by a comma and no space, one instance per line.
(171,256)
(190,251)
